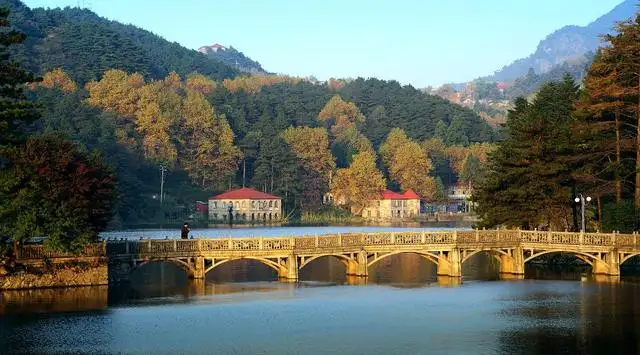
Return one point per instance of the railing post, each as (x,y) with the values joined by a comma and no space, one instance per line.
(293,242)
(613,239)
(230,243)
(339,239)
(199,244)
(455,236)
(175,245)
(260,244)
(127,249)
(477,236)
(317,241)
(393,238)
(581,238)
(423,237)
(549,237)
(149,246)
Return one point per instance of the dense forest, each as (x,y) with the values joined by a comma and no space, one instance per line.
(142,103)
(571,141)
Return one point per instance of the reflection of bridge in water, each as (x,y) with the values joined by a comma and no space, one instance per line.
(449,250)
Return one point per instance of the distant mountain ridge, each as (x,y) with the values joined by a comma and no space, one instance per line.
(567,43)
(233,58)
(85,45)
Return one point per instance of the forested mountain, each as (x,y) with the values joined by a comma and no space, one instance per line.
(85,45)
(569,42)
(233,58)
(142,102)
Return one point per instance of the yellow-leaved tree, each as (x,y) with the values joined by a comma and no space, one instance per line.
(311,148)
(408,164)
(360,183)
(208,153)
(57,78)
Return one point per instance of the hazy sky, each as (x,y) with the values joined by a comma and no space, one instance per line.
(418,42)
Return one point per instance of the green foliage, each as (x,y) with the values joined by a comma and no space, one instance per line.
(529,179)
(621,216)
(86,45)
(56,191)
(15,110)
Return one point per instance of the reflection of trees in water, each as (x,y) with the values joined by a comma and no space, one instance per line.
(574,318)
(89,298)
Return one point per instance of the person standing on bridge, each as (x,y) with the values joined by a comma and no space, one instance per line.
(184,233)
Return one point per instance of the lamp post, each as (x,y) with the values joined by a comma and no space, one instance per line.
(581,199)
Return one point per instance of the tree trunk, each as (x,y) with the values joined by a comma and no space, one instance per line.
(618,182)
(574,209)
(637,192)
(599,214)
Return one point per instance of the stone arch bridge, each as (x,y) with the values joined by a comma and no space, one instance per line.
(449,250)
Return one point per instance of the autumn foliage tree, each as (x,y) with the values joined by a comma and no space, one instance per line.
(408,164)
(311,148)
(360,183)
(56,191)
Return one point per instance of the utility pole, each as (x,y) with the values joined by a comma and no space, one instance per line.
(162,170)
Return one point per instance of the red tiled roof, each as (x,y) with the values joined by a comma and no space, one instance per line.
(411,195)
(390,195)
(245,193)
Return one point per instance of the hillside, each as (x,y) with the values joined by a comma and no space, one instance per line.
(232,57)
(85,45)
(569,42)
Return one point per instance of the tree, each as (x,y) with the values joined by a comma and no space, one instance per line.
(529,179)
(359,184)
(201,83)
(408,164)
(311,147)
(56,191)
(338,115)
(455,134)
(15,110)
(59,79)
(208,153)
(472,171)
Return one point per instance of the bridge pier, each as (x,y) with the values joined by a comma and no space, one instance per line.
(610,266)
(451,264)
(197,268)
(360,266)
(289,271)
(514,263)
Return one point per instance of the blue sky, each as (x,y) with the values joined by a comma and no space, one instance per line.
(418,42)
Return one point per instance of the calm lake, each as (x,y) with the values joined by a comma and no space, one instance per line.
(403,308)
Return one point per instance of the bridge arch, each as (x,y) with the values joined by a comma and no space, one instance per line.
(492,252)
(587,258)
(628,257)
(177,262)
(427,255)
(270,263)
(342,258)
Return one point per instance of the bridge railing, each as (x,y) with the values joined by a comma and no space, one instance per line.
(28,252)
(504,238)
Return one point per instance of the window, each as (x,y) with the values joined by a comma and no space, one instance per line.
(270,204)
(244,216)
(237,205)
(269,215)
(215,216)
(244,204)
(275,216)
(369,213)
(253,204)
(275,204)
(215,204)
(253,216)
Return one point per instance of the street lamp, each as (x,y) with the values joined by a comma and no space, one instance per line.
(581,199)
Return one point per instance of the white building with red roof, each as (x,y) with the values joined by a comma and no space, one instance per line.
(392,205)
(245,205)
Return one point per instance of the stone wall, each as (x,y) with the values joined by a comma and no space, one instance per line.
(57,276)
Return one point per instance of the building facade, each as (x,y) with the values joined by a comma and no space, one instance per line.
(245,205)
(393,206)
